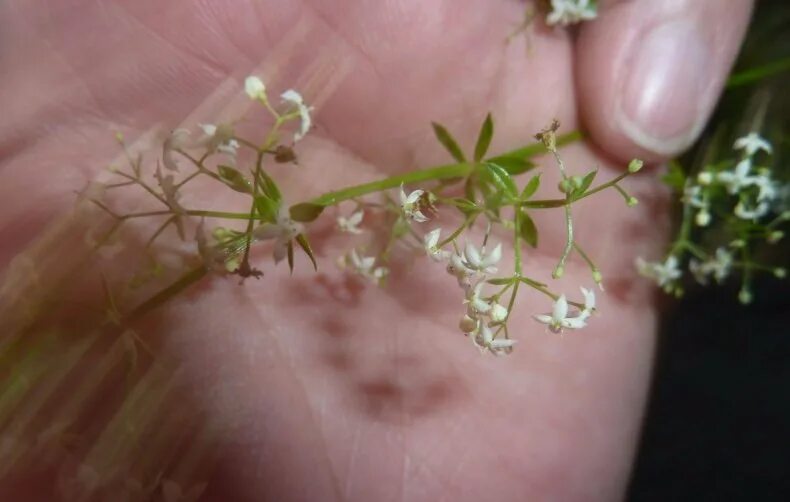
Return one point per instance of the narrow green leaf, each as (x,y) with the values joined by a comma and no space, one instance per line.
(502,179)
(301,239)
(464,204)
(267,208)
(269,188)
(512,164)
(446,139)
(234,179)
(501,281)
(291,256)
(305,211)
(527,228)
(530,188)
(484,138)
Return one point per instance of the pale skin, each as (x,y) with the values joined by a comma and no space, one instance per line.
(326,390)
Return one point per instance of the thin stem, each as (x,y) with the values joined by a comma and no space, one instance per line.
(559,270)
(167,293)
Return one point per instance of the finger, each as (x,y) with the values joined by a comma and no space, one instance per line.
(650,73)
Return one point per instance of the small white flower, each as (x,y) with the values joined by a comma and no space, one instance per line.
(558,320)
(752,143)
(430,241)
(566,12)
(738,178)
(219,139)
(662,273)
(751,213)
(282,232)
(483,338)
(767,188)
(479,260)
(295,99)
(410,205)
(255,88)
(174,142)
(589,302)
(477,304)
(459,270)
(351,224)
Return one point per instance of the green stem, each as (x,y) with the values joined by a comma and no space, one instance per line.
(164,295)
(433,173)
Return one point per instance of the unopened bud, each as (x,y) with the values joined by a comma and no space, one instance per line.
(745,296)
(631,201)
(775,236)
(558,272)
(498,313)
(705,178)
(467,324)
(565,186)
(780,273)
(635,165)
(702,218)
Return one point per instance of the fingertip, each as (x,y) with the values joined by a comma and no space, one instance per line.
(649,73)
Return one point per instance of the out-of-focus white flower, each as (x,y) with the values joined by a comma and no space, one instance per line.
(692,195)
(351,224)
(174,142)
(719,266)
(559,320)
(752,143)
(480,261)
(255,88)
(282,232)
(430,242)
(410,205)
(662,273)
(738,178)
(219,139)
(767,188)
(744,212)
(295,99)
(365,266)
(171,196)
(566,12)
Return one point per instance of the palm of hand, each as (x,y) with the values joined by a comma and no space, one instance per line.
(324,389)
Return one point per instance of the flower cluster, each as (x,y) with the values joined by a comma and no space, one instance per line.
(567,12)
(753,186)
(737,196)
(491,195)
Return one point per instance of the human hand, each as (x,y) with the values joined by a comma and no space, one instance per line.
(322,391)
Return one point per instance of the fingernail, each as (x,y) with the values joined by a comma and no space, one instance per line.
(662,104)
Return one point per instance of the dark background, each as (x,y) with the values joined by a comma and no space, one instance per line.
(718,421)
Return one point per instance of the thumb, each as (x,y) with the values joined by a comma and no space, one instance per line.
(650,72)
